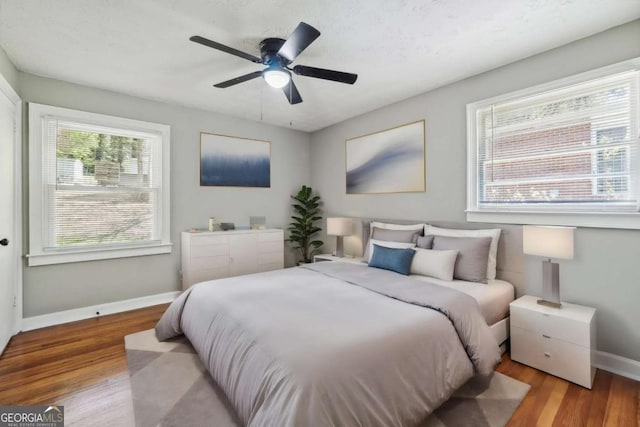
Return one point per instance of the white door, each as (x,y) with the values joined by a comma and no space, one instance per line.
(8,232)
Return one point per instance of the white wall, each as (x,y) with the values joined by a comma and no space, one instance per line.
(60,287)
(605,273)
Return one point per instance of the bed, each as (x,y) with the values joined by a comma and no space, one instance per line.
(331,344)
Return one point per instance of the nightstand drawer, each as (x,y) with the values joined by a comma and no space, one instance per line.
(560,358)
(554,326)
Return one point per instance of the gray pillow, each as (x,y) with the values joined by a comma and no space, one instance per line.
(387,235)
(425,242)
(403,236)
(473,253)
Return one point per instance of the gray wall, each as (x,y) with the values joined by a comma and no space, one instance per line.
(604,273)
(65,286)
(8,70)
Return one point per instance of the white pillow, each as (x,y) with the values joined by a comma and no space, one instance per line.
(389,226)
(438,264)
(394,245)
(494,233)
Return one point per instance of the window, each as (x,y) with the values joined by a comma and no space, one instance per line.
(98,186)
(563,153)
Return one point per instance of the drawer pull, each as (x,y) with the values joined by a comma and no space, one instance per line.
(546,336)
(547,354)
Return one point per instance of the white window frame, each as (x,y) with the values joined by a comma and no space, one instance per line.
(38,209)
(625,220)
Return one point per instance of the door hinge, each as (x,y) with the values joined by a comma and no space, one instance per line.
(15,301)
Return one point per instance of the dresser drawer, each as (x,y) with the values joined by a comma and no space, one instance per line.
(554,326)
(270,258)
(209,262)
(206,246)
(270,267)
(208,274)
(204,240)
(209,251)
(560,358)
(274,246)
(271,237)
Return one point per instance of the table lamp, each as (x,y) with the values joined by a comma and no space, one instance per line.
(339,227)
(549,242)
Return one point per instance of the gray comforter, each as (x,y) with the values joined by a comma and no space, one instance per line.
(333,344)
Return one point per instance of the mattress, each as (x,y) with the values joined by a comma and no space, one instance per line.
(493,297)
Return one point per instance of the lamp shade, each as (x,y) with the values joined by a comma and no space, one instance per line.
(549,242)
(339,226)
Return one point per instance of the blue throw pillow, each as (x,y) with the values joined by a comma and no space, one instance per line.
(398,260)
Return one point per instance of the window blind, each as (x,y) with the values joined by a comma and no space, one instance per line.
(102,186)
(568,149)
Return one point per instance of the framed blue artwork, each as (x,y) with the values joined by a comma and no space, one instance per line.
(389,161)
(230,161)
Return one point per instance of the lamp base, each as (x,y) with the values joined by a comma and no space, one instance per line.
(339,253)
(549,303)
(550,285)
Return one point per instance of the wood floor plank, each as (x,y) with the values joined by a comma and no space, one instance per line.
(83,364)
(622,405)
(550,411)
(600,391)
(574,409)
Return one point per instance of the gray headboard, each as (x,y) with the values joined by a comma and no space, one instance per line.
(510,263)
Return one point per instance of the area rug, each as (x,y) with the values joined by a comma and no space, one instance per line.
(170,387)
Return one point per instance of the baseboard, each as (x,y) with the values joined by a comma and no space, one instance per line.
(44,320)
(618,365)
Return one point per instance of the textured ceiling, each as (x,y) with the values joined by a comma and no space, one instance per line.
(398,48)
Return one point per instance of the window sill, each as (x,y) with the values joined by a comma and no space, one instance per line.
(630,221)
(63,257)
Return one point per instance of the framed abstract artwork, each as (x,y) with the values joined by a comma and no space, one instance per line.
(230,161)
(389,161)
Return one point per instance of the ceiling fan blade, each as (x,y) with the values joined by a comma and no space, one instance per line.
(292,94)
(226,49)
(299,40)
(240,79)
(321,73)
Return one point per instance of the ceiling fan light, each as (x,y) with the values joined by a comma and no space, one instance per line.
(276,77)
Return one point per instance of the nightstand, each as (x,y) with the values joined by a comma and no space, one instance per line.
(560,341)
(329,257)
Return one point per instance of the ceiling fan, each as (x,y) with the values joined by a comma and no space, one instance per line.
(277,54)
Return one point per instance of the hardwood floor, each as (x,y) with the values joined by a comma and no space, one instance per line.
(43,366)
(83,365)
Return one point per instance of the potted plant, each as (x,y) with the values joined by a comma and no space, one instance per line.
(303,228)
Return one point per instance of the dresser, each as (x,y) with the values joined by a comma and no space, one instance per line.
(560,341)
(218,254)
